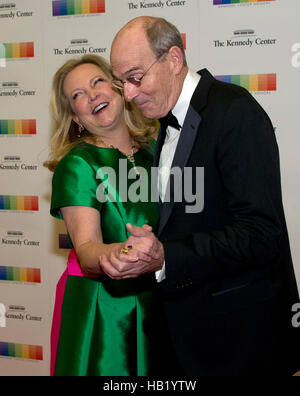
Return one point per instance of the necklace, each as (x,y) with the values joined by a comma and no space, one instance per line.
(130,156)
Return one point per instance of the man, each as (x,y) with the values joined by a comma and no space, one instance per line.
(225,269)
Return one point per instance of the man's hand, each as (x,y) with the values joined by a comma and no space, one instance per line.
(145,254)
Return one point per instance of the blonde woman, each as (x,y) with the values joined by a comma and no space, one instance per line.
(102,324)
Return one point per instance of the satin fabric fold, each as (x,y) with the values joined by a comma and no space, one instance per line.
(113,329)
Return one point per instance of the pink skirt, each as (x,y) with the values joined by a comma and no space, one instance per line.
(73,269)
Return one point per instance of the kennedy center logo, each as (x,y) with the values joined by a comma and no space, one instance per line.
(15,163)
(10,11)
(158,4)
(77,7)
(244,38)
(79,46)
(17,238)
(14,89)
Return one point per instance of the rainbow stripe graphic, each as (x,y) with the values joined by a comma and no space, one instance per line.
(75,7)
(64,242)
(17,127)
(19,274)
(216,2)
(252,82)
(2,56)
(22,203)
(17,50)
(21,351)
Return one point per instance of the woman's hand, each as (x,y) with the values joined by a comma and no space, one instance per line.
(112,261)
(143,253)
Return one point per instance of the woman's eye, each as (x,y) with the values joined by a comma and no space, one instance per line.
(75,96)
(98,80)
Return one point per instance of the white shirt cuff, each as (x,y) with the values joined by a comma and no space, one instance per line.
(161,274)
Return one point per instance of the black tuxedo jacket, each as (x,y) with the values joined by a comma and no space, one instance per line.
(230,284)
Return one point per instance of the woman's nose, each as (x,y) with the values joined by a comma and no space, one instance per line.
(92,94)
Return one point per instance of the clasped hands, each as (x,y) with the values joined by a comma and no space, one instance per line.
(140,254)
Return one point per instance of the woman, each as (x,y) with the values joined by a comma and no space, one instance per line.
(105,325)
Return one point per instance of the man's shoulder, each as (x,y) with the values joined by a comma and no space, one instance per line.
(215,88)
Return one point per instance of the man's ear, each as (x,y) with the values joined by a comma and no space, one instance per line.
(176,58)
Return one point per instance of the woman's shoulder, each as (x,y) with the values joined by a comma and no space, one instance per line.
(78,156)
(81,150)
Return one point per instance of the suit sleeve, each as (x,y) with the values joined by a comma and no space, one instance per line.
(247,158)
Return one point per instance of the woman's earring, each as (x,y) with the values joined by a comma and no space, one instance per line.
(80,130)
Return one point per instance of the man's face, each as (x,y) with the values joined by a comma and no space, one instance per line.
(131,55)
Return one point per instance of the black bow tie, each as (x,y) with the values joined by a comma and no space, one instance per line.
(170,120)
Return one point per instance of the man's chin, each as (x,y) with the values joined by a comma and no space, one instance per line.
(148,112)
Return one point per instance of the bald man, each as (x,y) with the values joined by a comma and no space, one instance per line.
(224,266)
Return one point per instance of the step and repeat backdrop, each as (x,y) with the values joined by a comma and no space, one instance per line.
(253,43)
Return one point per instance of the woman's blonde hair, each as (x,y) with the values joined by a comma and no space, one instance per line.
(65,134)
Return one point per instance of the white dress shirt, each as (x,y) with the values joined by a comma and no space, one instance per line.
(168,150)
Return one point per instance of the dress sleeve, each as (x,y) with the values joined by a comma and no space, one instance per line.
(74,184)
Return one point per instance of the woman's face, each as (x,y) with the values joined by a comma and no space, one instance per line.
(95,103)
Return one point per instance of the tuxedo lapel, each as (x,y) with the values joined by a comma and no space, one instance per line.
(160,142)
(182,154)
(187,138)
(186,141)
(154,181)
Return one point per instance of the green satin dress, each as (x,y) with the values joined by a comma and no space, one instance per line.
(109,327)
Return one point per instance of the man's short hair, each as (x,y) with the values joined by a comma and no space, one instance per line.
(163,35)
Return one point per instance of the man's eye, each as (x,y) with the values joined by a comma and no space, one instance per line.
(134,79)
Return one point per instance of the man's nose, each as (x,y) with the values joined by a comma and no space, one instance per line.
(130,91)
